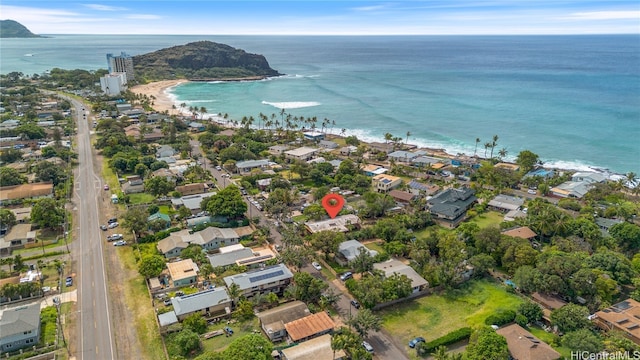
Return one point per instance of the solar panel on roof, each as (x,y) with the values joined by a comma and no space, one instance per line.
(266,276)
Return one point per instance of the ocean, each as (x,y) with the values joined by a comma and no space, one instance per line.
(573,100)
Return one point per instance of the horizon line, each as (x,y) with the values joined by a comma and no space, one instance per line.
(346,34)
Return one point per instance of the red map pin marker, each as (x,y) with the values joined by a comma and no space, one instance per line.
(333,203)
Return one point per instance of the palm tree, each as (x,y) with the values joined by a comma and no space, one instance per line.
(487,145)
(408,134)
(493,144)
(388,137)
(203,110)
(632,178)
(502,153)
(338,342)
(343,132)
(476,150)
(234,292)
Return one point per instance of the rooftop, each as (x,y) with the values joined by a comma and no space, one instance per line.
(309,325)
(201,300)
(339,223)
(351,248)
(524,346)
(393,266)
(315,349)
(625,316)
(19,319)
(259,277)
(274,319)
(182,269)
(522,232)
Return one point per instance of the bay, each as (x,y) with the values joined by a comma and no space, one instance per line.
(574,100)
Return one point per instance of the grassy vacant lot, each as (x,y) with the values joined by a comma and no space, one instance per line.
(489,218)
(435,315)
(221,342)
(141,198)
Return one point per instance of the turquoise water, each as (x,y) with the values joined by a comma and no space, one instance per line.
(574,100)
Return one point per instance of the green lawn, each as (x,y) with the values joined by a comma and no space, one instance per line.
(550,339)
(488,218)
(141,198)
(166,209)
(433,316)
(240,329)
(375,246)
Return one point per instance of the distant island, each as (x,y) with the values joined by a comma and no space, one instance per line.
(13,29)
(202,61)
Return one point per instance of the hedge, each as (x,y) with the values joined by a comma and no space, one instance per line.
(500,318)
(450,338)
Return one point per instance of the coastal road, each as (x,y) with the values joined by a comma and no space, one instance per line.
(94,334)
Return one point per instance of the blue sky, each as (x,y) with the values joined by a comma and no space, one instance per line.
(300,17)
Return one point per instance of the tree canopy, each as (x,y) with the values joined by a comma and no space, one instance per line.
(228,203)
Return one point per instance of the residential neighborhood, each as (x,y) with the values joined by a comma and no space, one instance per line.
(214,233)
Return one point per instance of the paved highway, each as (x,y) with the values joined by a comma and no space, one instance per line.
(94,338)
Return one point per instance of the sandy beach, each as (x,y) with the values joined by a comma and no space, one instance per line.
(157,89)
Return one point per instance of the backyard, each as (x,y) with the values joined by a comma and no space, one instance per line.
(435,315)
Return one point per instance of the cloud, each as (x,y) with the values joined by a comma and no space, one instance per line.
(143,17)
(100,7)
(370,8)
(605,15)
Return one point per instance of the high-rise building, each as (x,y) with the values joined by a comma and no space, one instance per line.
(114,83)
(121,63)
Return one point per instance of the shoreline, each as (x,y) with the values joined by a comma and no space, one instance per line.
(158,89)
(164,102)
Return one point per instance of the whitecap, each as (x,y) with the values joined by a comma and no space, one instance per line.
(292,104)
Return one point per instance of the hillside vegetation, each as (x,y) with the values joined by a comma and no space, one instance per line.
(13,29)
(202,60)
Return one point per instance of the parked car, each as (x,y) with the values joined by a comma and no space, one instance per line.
(106,187)
(367,347)
(103,227)
(113,225)
(316,266)
(218,168)
(346,276)
(228,330)
(532,192)
(68,281)
(415,341)
(355,304)
(112,220)
(167,302)
(120,243)
(115,237)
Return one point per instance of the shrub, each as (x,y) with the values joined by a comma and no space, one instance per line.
(450,338)
(501,317)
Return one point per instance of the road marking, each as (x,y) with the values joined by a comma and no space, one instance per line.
(92,283)
(95,325)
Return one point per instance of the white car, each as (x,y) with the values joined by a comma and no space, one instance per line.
(120,243)
(115,237)
(113,225)
(532,192)
(316,266)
